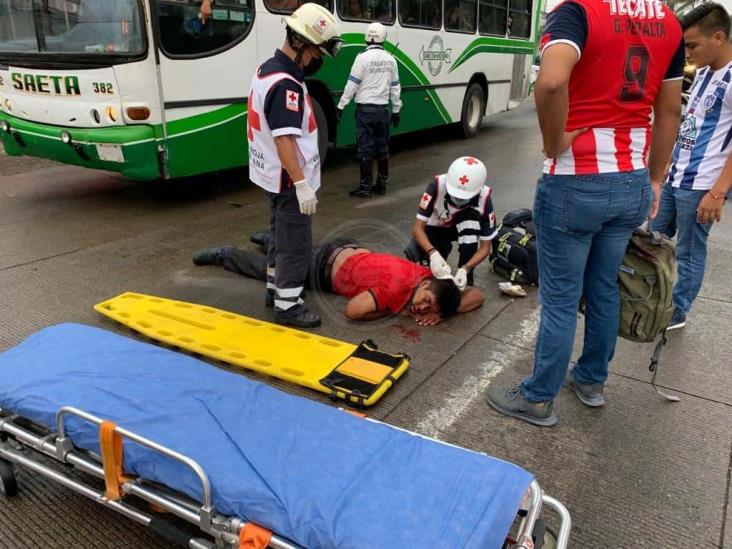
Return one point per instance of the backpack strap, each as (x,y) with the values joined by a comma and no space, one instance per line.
(654,368)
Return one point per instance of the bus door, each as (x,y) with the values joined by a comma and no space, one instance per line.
(205,68)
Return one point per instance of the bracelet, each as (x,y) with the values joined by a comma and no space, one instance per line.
(716,196)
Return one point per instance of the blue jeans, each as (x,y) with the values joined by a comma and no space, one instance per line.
(677,216)
(583,225)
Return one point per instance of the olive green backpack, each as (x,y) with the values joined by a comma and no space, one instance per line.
(646,280)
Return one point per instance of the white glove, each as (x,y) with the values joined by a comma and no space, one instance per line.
(306,197)
(461,278)
(439,266)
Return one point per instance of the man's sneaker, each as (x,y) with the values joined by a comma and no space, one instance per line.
(678,320)
(269,299)
(262,238)
(511,401)
(298,316)
(589,394)
(211,256)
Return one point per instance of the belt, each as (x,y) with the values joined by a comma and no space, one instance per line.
(333,256)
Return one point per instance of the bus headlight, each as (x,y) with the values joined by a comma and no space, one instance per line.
(9,104)
(65,137)
(111,114)
(5,126)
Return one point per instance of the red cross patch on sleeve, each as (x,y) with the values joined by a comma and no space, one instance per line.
(426,199)
(292,101)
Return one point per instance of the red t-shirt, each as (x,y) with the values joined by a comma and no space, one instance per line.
(391,280)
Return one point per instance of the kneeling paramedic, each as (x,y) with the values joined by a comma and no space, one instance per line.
(283,154)
(455,207)
(374,79)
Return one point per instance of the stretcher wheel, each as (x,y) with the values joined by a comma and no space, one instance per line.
(8,484)
(550,539)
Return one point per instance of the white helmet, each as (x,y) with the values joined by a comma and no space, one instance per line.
(375,32)
(466,177)
(316,25)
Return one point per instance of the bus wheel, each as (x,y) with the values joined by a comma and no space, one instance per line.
(322,121)
(473,110)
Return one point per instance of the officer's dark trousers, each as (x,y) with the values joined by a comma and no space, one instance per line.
(288,259)
(465,231)
(372,131)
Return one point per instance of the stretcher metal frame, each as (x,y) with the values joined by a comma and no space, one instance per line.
(22,445)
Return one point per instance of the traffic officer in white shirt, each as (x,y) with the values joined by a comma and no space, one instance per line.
(374,79)
(283,154)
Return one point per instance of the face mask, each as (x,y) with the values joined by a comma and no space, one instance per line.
(459,202)
(313,67)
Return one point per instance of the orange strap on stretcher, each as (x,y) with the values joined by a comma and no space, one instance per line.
(254,537)
(110,444)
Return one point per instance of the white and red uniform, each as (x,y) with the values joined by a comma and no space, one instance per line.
(616,103)
(291,115)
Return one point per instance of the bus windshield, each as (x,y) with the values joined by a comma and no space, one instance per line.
(75,27)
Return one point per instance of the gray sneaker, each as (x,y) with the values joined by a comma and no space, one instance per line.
(511,402)
(589,394)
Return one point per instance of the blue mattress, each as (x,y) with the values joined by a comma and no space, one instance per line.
(309,472)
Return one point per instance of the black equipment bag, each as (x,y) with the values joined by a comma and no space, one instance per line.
(513,254)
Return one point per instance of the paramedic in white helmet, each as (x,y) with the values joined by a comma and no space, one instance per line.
(283,154)
(374,79)
(455,207)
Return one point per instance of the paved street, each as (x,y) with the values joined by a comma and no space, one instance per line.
(640,472)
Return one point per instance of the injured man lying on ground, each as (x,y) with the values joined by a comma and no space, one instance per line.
(376,284)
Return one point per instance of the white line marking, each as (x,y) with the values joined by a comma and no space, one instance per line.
(439,420)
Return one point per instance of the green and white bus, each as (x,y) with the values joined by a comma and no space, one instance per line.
(140,87)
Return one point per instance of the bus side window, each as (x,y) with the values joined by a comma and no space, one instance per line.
(493,17)
(288,6)
(366,10)
(519,18)
(460,15)
(182,33)
(421,13)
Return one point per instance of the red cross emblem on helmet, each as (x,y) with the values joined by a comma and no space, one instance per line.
(470,161)
(323,23)
(464,180)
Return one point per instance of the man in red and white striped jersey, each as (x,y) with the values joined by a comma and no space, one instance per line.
(606,66)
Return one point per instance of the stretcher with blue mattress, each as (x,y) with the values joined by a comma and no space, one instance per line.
(248,465)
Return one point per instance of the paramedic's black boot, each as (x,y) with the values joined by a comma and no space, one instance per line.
(298,316)
(365,186)
(262,238)
(211,256)
(383,177)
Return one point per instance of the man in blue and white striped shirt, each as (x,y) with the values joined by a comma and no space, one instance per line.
(701,167)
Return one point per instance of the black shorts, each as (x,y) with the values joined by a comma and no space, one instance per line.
(321,264)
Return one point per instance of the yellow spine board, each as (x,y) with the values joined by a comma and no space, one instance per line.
(292,355)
